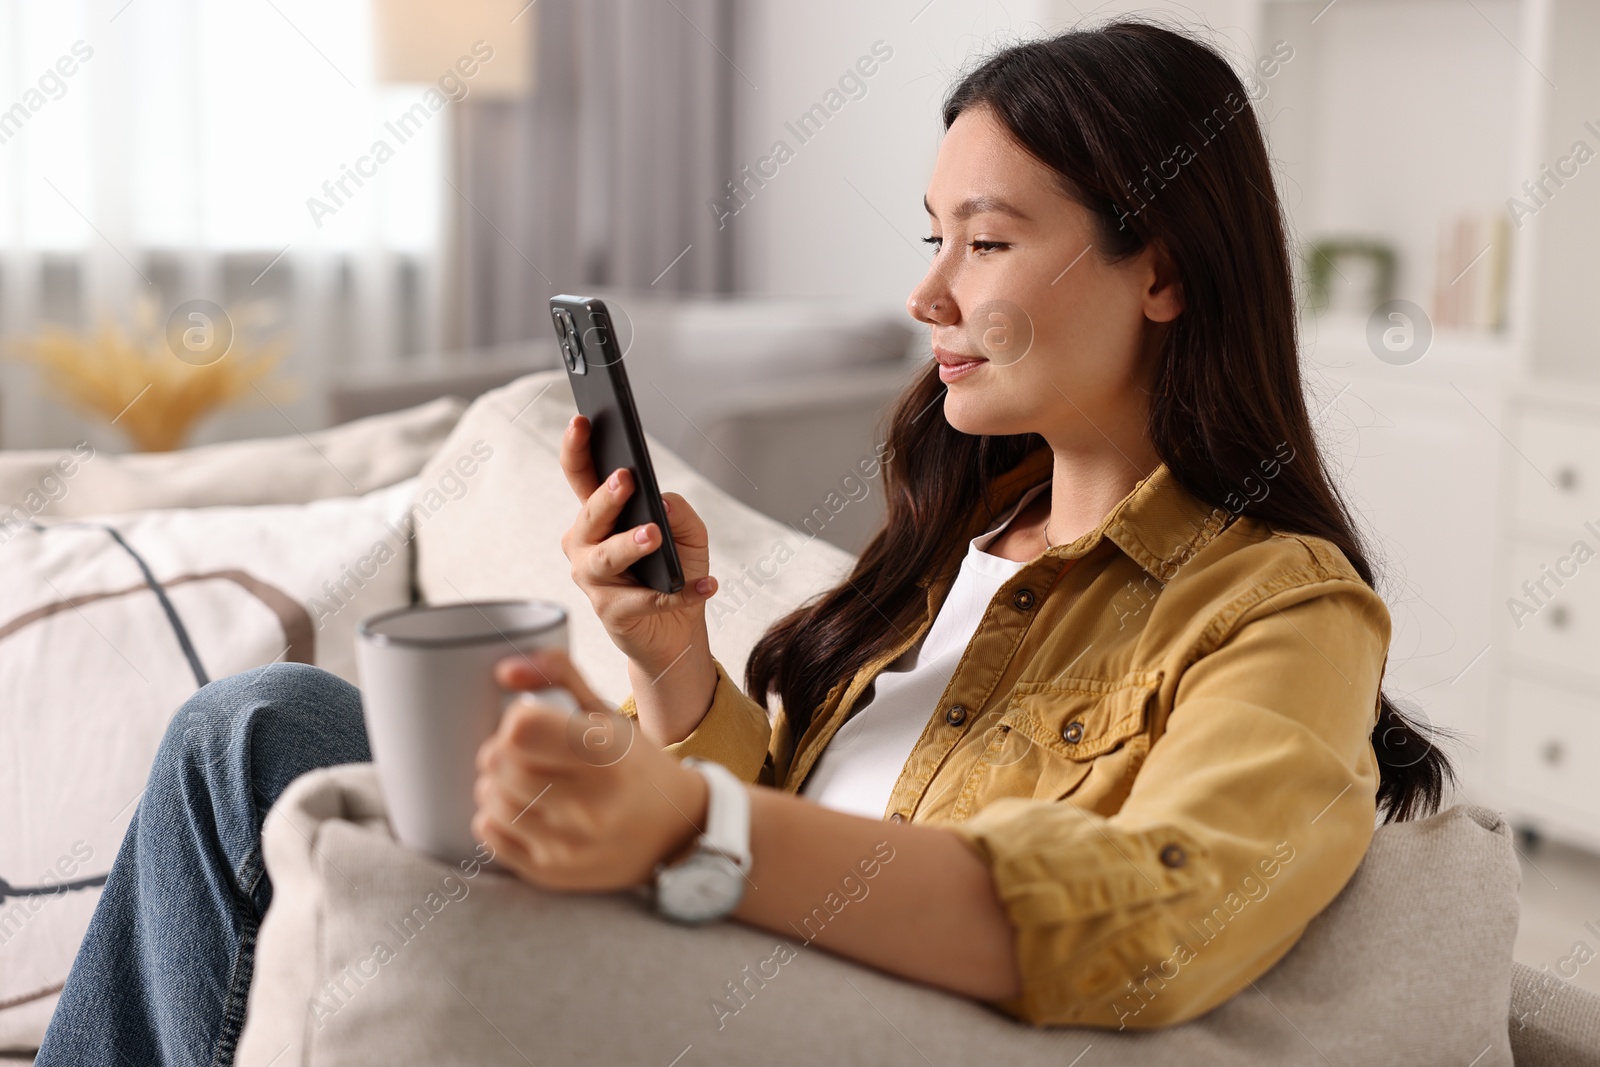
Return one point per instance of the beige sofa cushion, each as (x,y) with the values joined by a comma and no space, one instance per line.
(347,460)
(371,953)
(503,536)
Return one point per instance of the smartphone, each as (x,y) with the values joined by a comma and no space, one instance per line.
(593,358)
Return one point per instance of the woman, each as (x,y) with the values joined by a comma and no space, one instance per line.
(1102,697)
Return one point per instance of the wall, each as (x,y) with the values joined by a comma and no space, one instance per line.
(844,216)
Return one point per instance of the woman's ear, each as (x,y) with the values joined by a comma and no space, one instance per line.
(1163,293)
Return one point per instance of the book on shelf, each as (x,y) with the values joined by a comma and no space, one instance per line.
(1470,278)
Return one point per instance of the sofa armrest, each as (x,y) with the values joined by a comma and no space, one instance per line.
(371,953)
(1553,1022)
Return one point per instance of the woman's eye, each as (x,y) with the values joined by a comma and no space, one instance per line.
(977,246)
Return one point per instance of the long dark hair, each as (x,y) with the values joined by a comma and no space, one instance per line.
(1105,109)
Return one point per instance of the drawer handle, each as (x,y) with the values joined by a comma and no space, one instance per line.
(1559,616)
(1567,479)
(1553,753)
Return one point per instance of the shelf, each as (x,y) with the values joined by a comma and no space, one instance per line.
(1335,344)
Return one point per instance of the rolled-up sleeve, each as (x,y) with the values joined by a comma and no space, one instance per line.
(735,731)
(1249,815)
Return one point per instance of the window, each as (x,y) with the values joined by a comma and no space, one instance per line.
(207,125)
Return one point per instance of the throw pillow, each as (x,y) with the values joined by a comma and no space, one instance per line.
(356,457)
(108,625)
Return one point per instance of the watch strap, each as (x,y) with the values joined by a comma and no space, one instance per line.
(727,812)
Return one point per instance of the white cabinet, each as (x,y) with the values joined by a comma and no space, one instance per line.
(1558,487)
(1554,609)
(1549,759)
(1544,736)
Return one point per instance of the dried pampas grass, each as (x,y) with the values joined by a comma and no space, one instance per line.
(135,380)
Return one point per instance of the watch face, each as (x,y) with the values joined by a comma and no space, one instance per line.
(707,885)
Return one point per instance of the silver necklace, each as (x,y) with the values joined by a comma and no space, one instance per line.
(1047,543)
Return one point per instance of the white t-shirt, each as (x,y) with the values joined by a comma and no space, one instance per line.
(859,767)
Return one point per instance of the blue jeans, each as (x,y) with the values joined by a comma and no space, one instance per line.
(164,972)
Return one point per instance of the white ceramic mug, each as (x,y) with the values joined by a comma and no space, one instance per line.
(430,700)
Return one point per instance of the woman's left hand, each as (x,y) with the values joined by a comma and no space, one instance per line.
(579,800)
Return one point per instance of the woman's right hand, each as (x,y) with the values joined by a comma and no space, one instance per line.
(652,629)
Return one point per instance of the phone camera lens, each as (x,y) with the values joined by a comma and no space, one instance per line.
(567,336)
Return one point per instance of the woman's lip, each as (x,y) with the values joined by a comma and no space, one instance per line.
(949,372)
(950,359)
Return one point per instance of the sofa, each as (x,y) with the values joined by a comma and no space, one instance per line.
(1411,963)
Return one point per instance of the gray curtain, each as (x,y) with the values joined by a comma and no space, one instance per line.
(601,177)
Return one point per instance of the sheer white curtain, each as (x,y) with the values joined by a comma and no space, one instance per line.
(170,149)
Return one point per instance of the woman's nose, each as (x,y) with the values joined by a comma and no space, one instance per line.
(931,303)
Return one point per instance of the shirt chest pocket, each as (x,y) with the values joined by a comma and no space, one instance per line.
(1052,732)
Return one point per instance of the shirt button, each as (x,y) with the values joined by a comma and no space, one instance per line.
(897,817)
(1072,733)
(1172,855)
(1023,600)
(956,715)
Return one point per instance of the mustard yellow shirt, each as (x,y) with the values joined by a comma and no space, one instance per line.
(1158,740)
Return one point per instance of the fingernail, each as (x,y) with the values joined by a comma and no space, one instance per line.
(704,585)
(615,481)
(641,534)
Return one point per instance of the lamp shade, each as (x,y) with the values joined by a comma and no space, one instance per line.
(416,41)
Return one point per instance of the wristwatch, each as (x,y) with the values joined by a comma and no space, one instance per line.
(708,883)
